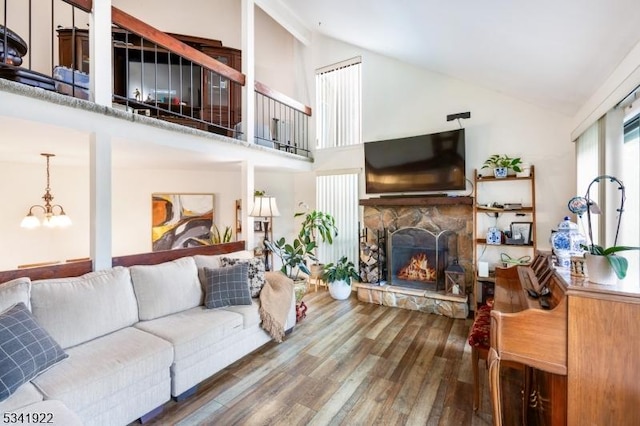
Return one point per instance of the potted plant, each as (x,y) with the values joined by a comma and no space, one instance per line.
(294,256)
(339,277)
(317,226)
(604,266)
(501,164)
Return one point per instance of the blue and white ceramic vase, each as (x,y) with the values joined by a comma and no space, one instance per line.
(566,242)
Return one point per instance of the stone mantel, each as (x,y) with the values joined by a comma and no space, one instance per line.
(416,201)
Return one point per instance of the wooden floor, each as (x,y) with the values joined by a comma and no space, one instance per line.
(346,363)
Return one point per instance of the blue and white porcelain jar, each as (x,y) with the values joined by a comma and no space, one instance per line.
(566,242)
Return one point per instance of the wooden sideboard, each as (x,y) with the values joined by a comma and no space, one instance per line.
(580,355)
(603,376)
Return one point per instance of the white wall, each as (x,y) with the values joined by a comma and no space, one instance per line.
(402,100)
(131,205)
(23,185)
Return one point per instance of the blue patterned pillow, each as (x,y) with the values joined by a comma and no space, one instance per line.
(226,286)
(26,349)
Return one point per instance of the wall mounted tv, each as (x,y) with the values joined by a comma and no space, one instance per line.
(433,162)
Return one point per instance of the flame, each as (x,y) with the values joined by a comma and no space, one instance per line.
(418,269)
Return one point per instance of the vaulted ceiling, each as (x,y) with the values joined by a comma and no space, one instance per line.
(551,53)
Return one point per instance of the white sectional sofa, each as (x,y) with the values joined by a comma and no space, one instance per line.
(135,336)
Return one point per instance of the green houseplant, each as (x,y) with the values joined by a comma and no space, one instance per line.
(317,226)
(294,255)
(339,276)
(617,264)
(603,265)
(502,163)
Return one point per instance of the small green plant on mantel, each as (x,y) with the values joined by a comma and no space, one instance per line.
(343,270)
(619,264)
(502,160)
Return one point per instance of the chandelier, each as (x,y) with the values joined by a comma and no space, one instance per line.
(51,219)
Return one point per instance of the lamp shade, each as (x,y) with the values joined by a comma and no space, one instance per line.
(264,207)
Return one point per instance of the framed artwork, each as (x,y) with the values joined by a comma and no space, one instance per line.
(522,230)
(181,220)
(257,226)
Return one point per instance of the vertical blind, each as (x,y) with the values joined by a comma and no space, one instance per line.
(338,109)
(338,196)
(588,162)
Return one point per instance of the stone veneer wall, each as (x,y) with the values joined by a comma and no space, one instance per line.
(435,218)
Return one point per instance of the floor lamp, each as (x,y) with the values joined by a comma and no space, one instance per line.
(265,207)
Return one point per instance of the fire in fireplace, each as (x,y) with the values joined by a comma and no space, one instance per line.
(418,269)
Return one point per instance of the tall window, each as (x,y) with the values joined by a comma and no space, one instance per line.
(338,110)
(338,195)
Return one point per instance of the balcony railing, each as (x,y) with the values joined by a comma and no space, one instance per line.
(281,122)
(181,79)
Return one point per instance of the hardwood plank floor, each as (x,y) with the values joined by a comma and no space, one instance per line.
(346,363)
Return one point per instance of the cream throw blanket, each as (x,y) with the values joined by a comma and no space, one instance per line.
(275,302)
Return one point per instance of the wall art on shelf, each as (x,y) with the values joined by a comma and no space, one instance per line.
(181,220)
(522,230)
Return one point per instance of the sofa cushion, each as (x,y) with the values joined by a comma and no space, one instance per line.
(250,313)
(213,261)
(106,373)
(15,291)
(166,288)
(26,394)
(26,349)
(255,277)
(76,310)
(191,330)
(227,286)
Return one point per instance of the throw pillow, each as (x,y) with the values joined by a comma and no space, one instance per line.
(255,274)
(227,286)
(26,349)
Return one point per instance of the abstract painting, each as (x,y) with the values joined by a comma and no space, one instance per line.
(181,220)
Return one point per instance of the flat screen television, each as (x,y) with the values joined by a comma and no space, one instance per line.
(433,162)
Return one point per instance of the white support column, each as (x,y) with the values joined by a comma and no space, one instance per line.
(101,51)
(247,181)
(100,209)
(248,69)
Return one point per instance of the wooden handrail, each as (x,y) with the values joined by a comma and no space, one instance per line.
(156,36)
(282,98)
(85,5)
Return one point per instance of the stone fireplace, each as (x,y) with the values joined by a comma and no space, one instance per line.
(422,237)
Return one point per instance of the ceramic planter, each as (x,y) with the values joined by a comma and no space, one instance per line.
(599,270)
(500,172)
(339,290)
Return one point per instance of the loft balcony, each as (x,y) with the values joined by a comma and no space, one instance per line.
(179,78)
